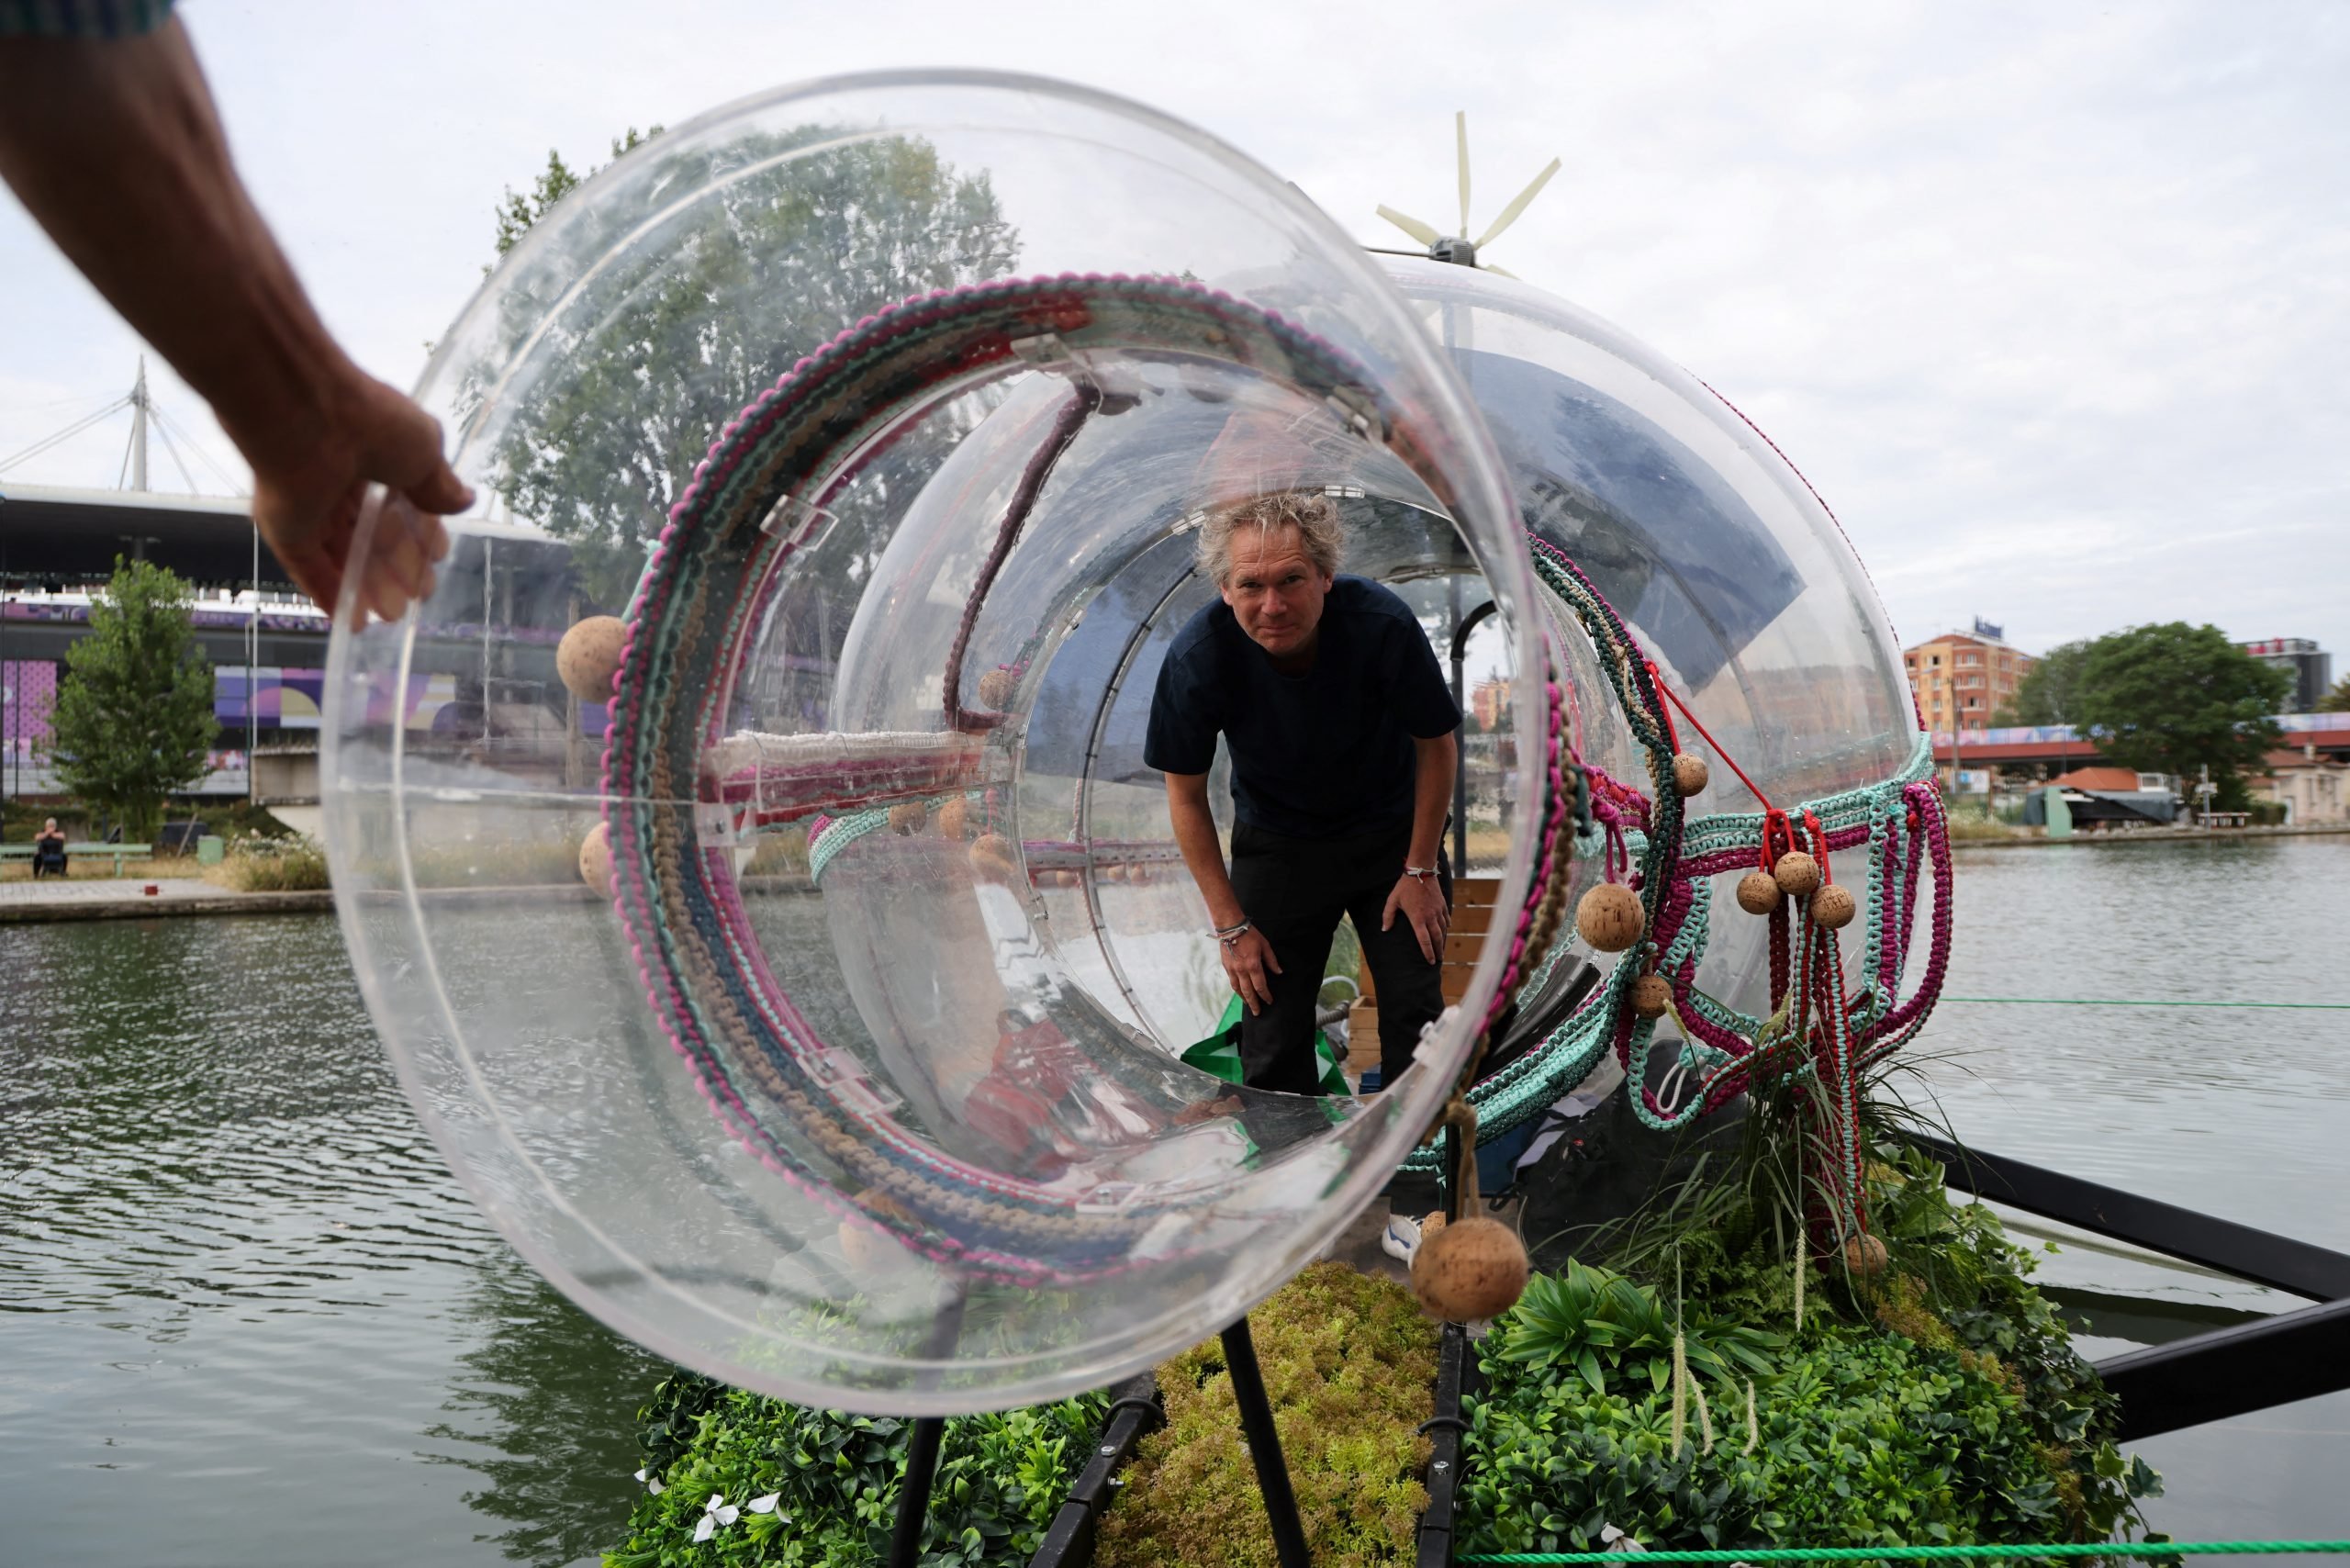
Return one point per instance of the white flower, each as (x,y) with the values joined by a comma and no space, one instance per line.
(766,1505)
(651,1482)
(716,1512)
(1618,1540)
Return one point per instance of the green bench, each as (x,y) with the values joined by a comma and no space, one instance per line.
(121,852)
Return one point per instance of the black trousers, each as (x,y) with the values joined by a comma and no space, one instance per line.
(1293,890)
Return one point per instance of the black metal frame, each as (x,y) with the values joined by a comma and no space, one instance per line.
(1069,1542)
(2204,1377)
(1454,1370)
(922,1450)
(1265,1446)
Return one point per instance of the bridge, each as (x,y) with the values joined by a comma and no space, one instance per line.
(2061,747)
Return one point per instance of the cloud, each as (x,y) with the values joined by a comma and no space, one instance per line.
(2050,303)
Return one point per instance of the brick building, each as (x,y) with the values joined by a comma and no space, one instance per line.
(1961,678)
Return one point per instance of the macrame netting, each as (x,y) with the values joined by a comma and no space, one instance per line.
(681,791)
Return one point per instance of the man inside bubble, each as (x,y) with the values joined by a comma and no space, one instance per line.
(1341,730)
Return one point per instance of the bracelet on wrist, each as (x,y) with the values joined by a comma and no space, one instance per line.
(1418,873)
(1227,935)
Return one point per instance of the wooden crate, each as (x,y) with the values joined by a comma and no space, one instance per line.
(1362,1036)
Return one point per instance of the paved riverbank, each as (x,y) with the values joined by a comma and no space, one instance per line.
(127,898)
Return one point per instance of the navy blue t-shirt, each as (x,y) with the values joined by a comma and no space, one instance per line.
(1323,755)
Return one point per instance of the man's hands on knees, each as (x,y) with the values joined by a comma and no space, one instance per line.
(1419,900)
(1248,960)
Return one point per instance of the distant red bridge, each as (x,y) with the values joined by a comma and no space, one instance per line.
(2061,750)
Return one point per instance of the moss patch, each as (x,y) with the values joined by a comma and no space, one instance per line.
(1349,1364)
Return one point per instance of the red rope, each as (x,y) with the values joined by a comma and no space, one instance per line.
(1696,724)
(1671,736)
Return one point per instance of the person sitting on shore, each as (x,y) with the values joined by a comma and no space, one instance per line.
(49,850)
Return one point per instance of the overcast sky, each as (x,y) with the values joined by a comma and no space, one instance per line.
(2052,303)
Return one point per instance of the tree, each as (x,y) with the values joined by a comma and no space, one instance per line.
(660,348)
(516,213)
(2049,692)
(2336,700)
(134,712)
(2176,698)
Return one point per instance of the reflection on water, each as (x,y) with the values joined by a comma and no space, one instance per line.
(246,1315)
(2236,1112)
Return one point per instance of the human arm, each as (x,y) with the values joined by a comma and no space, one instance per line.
(1418,899)
(1249,956)
(112,146)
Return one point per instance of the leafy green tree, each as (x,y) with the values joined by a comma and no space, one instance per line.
(2336,700)
(517,212)
(2049,692)
(781,251)
(2176,699)
(134,714)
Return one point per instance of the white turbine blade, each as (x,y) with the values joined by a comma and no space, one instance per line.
(1501,272)
(1461,139)
(1509,213)
(1423,232)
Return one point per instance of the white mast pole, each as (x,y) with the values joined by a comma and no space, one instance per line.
(138,429)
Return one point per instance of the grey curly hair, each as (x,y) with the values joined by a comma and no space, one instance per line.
(1319,531)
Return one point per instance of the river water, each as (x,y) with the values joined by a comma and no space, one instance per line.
(246,1317)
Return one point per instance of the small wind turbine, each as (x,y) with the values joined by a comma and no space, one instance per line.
(1456,248)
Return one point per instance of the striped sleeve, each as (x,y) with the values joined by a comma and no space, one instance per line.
(81,18)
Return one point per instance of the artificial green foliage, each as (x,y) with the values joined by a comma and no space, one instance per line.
(1001,1479)
(1349,1364)
(1941,1401)
(1610,1329)
(134,714)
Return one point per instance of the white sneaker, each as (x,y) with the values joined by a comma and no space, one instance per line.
(1402,1238)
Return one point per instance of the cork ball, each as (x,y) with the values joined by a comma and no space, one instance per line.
(589,656)
(908,817)
(1472,1269)
(993,859)
(1650,996)
(1689,774)
(1758,893)
(1864,1255)
(1610,917)
(1797,873)
(1832,907)
(596,858)
(997,686)
(954,818)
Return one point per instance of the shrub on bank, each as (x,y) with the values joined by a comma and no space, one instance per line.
(292,864)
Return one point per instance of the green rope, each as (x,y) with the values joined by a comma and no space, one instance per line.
(2099,1002)
(1922,1553)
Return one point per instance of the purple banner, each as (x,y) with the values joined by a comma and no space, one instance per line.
(28,697)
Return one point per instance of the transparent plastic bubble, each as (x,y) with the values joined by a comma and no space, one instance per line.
(796,966)
(1714,551)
